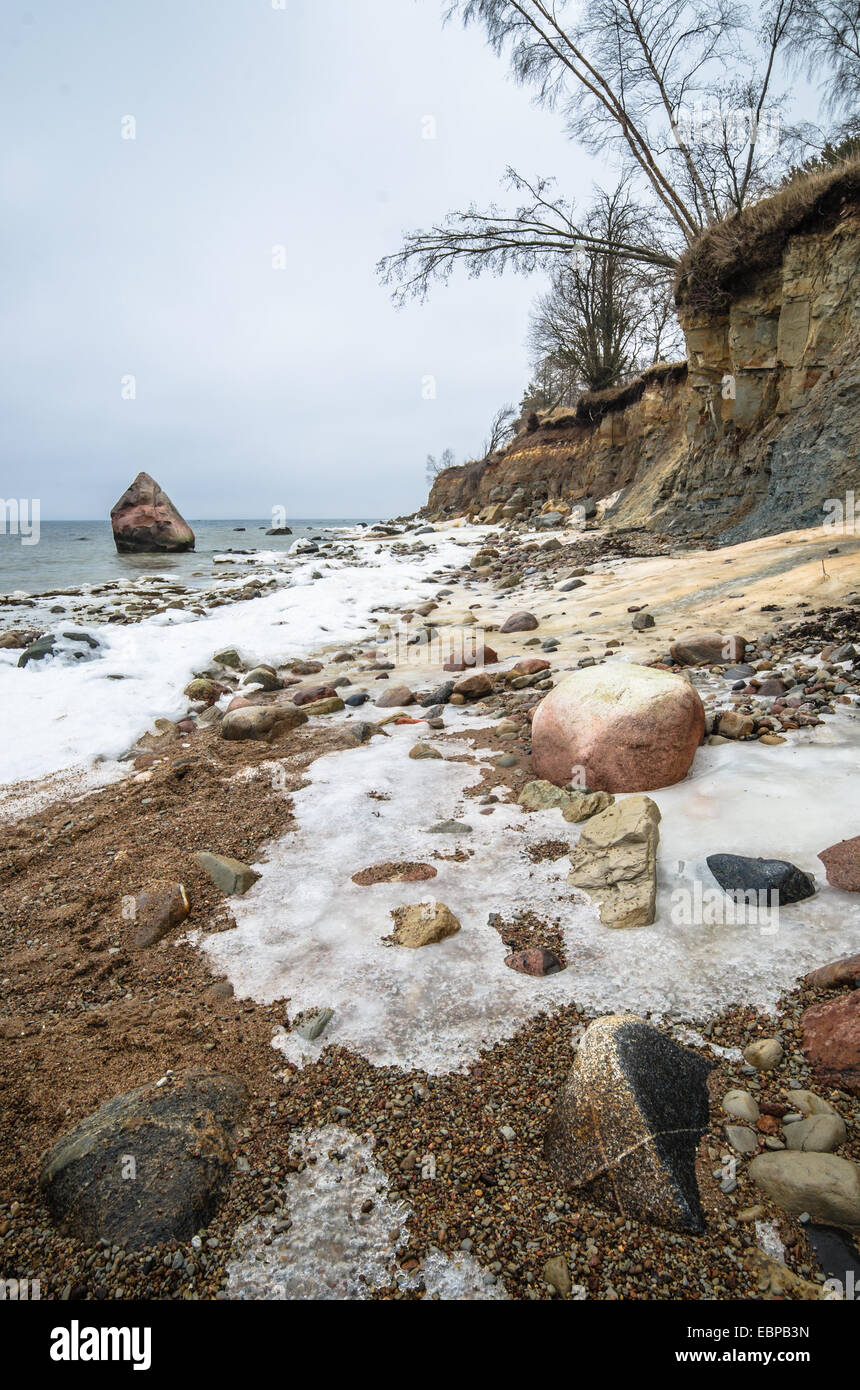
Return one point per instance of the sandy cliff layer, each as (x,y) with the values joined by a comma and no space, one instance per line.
(755,437)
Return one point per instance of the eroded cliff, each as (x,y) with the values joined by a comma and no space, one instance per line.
(757,434)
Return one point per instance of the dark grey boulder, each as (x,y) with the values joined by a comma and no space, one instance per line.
(738,874)
(149,1165)
(629,1119)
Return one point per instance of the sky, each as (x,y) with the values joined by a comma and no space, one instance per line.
(194,197)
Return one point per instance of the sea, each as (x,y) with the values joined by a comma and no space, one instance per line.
(69,554)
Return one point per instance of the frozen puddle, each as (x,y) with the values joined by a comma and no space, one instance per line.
(333,1249)
(307,934)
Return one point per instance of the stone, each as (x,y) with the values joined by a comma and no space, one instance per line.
(330,705)
(629,1119)
(831,1041)
(392,872)
(398,695)
(480,656)
(474,686)
(556,1273)
(530,667)
(838,973)
(440,696)
(809,1103)
(450,827)
(230,875)
(816,1134)
(145,521)
(203,690)
(423,924)
(822,1185)
(842,864)
(261,722)
(180,1137)
(619,727)
(741,1105)
(742,1139)
(15,640)
(157,909)
(420,751)
(764,1054)
(732,724)
(310,694)
(575,805)
(736,873)
(708,649)
(520,622)
(642,621)
(615,862)
(263,676)
(313,1027)
(37,651)
(537,961)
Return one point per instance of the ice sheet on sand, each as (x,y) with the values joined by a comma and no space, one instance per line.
(333,1249)
(307,934)
(62,714)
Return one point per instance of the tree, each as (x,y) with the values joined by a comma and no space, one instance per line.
(436,466)
(501,430)
(640,79)
(602,317)
(828,37)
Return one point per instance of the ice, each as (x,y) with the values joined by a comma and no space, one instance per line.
(61,714)
(305,933)
(333,1250)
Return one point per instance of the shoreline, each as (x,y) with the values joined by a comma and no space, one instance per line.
(89,1016)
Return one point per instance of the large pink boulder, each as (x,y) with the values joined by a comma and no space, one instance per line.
(617,728)
(145,520)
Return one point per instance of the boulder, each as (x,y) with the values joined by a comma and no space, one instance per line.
(615,862)
(310,694)
(230,875)
(479,656)
(160,907)
(737,873)
(537,961)
(816,1134)
(423,924)
(264,676)
(842,864)
(838,973)
(619,727)
(575,805)
(37,651)
(397,695)
(203,690)
(708,649)
(520,622)
(150,1165)
(629,1119)
(826,1187)
(474,686)
(145,520)
(831,1041)
(261,722)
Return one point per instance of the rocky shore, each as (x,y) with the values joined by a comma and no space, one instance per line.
(350,947)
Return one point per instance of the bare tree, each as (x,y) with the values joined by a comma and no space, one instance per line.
(436,466)
(828,37)
(501,429)
(603,317)
(633,78)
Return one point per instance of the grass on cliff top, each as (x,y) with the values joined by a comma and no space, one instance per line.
(753,240)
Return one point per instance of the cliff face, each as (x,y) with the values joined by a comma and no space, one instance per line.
(755,438)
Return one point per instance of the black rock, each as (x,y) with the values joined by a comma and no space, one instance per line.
(357,700)
(150,1165)
(835,1251)
(736,873)
(440,696)
(629,1120)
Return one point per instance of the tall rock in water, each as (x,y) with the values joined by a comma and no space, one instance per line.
(145,520)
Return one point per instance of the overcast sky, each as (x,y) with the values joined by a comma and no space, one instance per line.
(152,257)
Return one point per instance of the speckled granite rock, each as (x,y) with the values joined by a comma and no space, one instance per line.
(629,1119)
